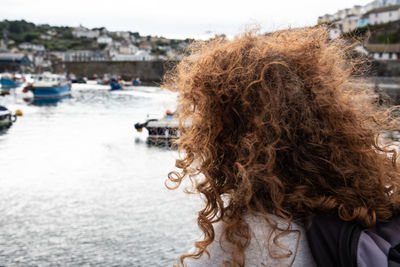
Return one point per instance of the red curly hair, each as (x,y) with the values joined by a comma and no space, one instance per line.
(273,131)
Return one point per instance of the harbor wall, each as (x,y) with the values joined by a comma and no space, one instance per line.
(385,68)
(147,71)
(153,71)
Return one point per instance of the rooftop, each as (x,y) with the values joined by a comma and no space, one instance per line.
(382,9)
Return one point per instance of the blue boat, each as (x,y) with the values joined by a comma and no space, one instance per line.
(9,82)
(49,86)
(136,82)
(115,86)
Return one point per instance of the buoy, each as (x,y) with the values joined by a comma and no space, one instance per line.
(18,112)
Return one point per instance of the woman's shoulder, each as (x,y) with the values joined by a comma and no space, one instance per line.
(293,248)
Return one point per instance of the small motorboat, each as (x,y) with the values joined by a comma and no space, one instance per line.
(161,131)
(49,85)
(136,82)
(7,118)
(115,85)
(9,82)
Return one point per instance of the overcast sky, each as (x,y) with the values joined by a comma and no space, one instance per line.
(174,18)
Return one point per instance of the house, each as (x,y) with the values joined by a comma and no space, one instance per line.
(378,4)
(128,49)
(84,32)
(45,37)
(383,51)
(383,15)
(327,18)
(104,39)
(14,62)
(83,56)
(363,21)
(124,35)
(32,47)
(143,55)
(344,20)
(3,46)
(40,61)
(145,46)
(349,23)
(140,55)
(134,49)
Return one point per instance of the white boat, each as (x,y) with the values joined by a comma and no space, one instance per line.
(161,131)
(49,85)
(6,118)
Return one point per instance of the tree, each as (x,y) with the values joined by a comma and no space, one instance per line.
(31,36)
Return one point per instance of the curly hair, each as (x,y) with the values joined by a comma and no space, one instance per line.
(273,131)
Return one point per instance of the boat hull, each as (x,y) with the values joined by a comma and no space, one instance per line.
(6,119)
(115,86)
(8,84)
(51,92)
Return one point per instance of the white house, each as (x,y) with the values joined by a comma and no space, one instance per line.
(33,47)
(125,49)
(143,55)
(327,18)
(3,46)
(83,55)
(383,51)
(349,23)
(78,55)
(124,35)
(383,15)
(140,55)
(378,4)
(344,20)
(133,48)
(104,39)
(84,32)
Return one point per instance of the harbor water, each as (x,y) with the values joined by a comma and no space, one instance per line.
(79,187)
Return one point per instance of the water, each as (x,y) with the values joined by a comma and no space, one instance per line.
(79,187)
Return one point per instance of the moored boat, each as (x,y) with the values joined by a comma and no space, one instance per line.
(49,86)
(6,118)
(115,85)
(161,131)
(9,81)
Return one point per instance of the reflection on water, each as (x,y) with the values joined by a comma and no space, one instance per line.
(78,186)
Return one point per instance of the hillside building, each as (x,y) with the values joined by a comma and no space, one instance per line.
(84,32)
(383,15)
(383,51)
(104,39)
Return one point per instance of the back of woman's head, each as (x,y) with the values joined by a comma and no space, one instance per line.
(274,131)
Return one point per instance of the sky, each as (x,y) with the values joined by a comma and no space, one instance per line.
(199,19)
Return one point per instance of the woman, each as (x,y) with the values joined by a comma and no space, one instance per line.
(276,138)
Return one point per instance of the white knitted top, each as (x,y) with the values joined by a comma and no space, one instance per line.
(257,253)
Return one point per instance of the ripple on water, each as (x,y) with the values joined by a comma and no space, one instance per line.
(78,190)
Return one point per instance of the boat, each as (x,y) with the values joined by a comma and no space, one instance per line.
(6,118)
(9,82)
(136,82)
(118,84)
(161,131)
(49,85)
(115,85)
